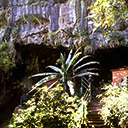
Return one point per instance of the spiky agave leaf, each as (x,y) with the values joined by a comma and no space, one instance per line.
(43,74)
(86,74)
(46,89)
(86,64)
(44,80)
(62,60)
(81,60)
(69,57)
(72,61)
(71,86)
(55,69)
(77,50)
(89,69)
(52,85)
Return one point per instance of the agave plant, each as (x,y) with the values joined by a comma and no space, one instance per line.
(70,68)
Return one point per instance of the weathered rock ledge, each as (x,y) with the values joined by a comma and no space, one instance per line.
(50,22)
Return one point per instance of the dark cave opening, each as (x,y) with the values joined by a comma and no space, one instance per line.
(26,66)
(46,55)
(110,59)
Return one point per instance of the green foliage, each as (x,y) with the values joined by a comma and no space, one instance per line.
(70,68)
(115,39)
(32,65)
(3,19)
(53,109)
(116,36)
(115,110)
(107,13)
(6,58)
(43,3)
(51,35)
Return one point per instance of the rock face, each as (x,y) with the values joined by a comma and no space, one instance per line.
(35,21)
(51,22)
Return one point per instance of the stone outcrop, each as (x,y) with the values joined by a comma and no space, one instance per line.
(35,21)
(51,22)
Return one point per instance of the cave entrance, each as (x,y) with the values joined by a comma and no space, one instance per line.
(111,59)
(29,59)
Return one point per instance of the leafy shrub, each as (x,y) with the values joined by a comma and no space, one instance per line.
(50,110)
(115,110)
(6,61)
(108,13)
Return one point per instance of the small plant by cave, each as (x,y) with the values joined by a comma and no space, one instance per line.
(6,57)
(70,68)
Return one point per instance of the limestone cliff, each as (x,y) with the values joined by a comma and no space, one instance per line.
(50,22)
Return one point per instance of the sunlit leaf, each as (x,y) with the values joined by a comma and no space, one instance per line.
(43,74)
(69,57)
(62,60)
(71,87)
(86,64)
(80,60)
(55,69)
(86,74)
(42,81)
(72,61)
